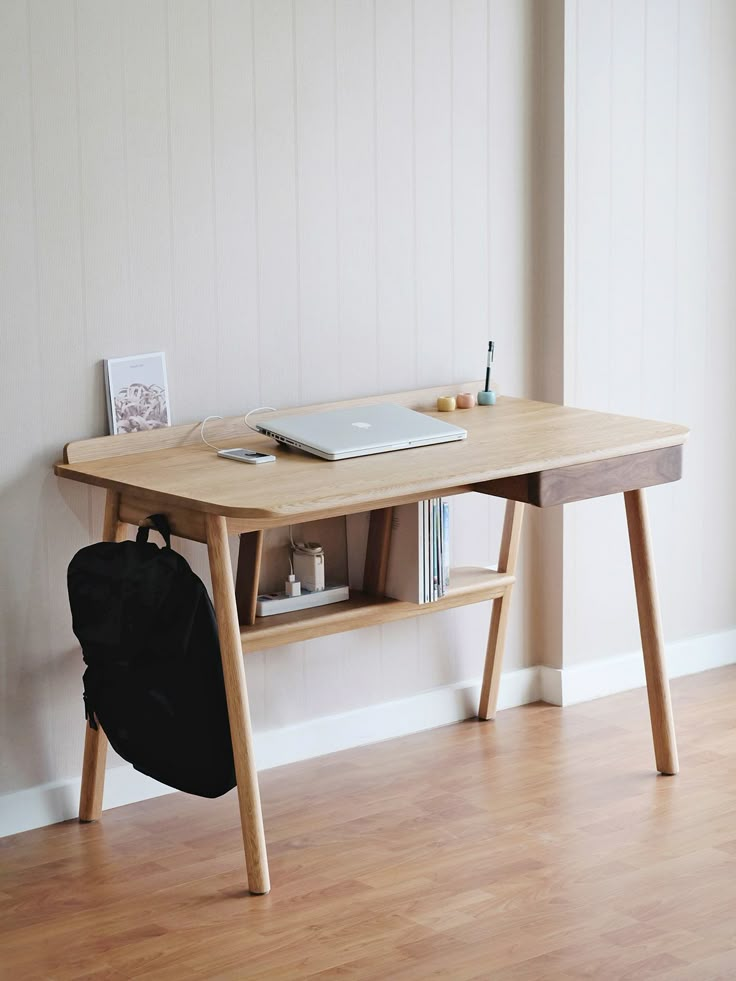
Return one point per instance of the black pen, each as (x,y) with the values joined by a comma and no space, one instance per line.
(489,365)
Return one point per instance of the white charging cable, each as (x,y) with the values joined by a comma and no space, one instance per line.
(201,432)
(306,548)
(261,408)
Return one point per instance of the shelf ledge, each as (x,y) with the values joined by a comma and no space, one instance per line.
(467,585)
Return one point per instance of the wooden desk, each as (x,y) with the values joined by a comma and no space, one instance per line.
(526,452)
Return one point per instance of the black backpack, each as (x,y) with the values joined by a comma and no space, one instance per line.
(154,677)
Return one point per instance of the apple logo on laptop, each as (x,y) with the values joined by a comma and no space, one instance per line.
(362,425)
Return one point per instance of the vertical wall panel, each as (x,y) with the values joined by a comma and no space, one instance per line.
(284,686)
(275,137)
(192,220)
(543,533)
(397,324)
(660,197)
(719,531)
(103,182)
(148,186)
(433,189)
(356,196)
(23,573)
(317,195)
(691,327)
(235,205)
(626,206)
(471,327)
(510,114)
(593,203)
(61,292)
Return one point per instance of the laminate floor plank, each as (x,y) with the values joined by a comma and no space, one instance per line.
(539,846)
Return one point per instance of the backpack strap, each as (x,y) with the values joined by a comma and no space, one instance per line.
(89,712)
(159,522)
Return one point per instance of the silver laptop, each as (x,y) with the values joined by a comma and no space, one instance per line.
(342,433)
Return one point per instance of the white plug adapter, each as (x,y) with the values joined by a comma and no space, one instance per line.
(310,569)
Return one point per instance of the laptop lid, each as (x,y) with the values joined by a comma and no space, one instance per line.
(338,434)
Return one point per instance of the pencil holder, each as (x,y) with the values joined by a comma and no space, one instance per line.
(486,398)
(465,400)
(446,403)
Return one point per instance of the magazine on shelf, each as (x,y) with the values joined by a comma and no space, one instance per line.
(419,557)
(445,543)
(405,579)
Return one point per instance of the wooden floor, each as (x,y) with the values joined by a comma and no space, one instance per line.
(539,846)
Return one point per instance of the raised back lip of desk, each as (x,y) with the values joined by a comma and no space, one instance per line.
(512,438)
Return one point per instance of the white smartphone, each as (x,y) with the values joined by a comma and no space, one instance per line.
(246,456)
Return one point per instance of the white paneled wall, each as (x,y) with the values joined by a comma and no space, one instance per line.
(650,300)
(301,200)
(296,201)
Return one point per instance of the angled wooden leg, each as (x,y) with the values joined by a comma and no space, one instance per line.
(95,740)
(223,590)
(249,571)
(650,627)
(507,557)
(93,774)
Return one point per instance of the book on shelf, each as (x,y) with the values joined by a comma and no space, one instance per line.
(445,543)
(419,558)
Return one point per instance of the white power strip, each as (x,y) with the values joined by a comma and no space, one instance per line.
(268,604)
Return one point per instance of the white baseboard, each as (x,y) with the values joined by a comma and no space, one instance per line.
(50,803)
(596,679)
(54,802)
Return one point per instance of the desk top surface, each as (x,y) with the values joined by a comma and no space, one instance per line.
(174,467)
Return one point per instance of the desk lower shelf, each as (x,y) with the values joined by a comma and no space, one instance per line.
(467,585)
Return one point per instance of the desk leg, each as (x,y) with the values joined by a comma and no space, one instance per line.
(95,740)
(93,774)
(507,557)
(250,550)
(650,627)
(251,818)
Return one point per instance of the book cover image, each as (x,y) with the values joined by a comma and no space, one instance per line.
(137,393)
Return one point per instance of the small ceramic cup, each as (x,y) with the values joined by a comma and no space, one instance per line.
(486,398)
(446,403)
